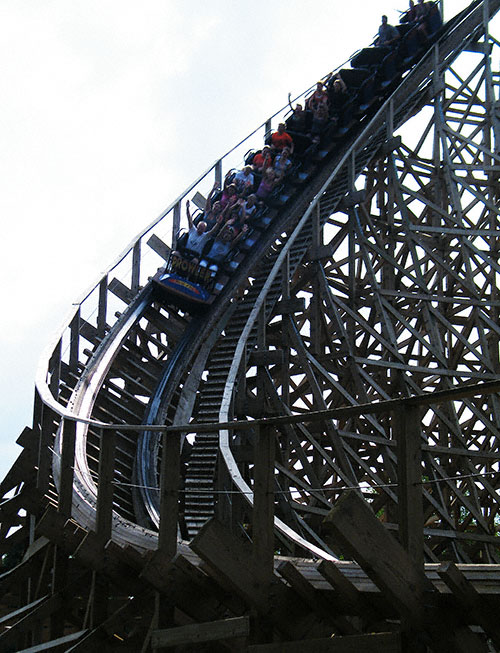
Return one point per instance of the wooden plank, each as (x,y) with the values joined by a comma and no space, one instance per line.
(105,488)
(56,644)
(266,357)
(230,562)
(161,248)
(199,200)
(350,596)
(320,252)
(38,611)
(363,537)
(169,495)
(373,643)
(321,606)
(198,633)
(294,305)
(410,503)
(120,290)
(263,511)
(475,609)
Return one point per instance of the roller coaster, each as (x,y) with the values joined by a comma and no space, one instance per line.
(273,472)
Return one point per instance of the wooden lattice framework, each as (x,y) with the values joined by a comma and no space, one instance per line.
(361,366)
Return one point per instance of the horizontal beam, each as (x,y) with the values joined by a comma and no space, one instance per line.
(205,632)
(374,643)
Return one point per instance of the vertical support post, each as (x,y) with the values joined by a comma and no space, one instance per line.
(218,173)
(103,307)
(176,223)
(67,467)
(268,127)
(351,251)
(105,490)
(407,429)
(44,449)
(263,511)
(169,494)
(285,291)
(136,266)
(55,370)
(74,347)
(169,517)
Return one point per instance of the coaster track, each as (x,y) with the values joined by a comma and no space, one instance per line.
(376,280)
(157,365)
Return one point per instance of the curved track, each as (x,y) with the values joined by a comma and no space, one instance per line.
(376,280)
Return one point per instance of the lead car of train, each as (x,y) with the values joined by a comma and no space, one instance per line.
(373,74)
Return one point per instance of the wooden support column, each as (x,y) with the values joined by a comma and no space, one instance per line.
(74,346)
(45,444)
(67,467)
(407,431)
(263,511)
(218,173)
(103,307)
(195,634)
(105,490)
(136,266)
(169,518)
(176,222)
(104,519)
(169,495)
(55,370)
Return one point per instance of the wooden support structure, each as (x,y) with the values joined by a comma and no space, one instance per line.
(312,462)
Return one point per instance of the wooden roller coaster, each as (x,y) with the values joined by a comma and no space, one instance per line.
(313,462)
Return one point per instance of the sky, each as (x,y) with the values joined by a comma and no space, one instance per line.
(110,108)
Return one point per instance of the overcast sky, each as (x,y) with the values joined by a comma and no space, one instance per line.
(110,108)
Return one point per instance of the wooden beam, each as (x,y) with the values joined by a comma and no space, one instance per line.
(363,537)
(473,605)
(322,607)
(373,643)
(230,562)
(105,488)
(197,633)
(169,495)
(263,511)
(407,429)
(161,248)
(59,644)
(349,595)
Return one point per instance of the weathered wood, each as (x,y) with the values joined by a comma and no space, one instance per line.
(159,247)
(169,495)
(322,607)
(67,467)
(475,610)
(266,357)
(36,612)
(105,488)
(294,305)
(120,290)
(374,643)
(263,511)
(361,535)
(230,562)
(403,583)
(410,505)
(319,252)
(206,632)
(59,644)
(350,597)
